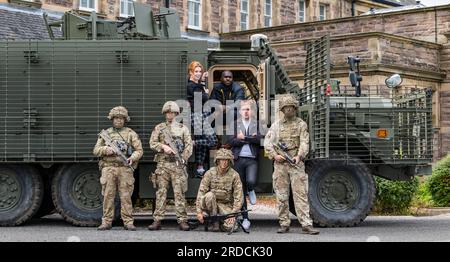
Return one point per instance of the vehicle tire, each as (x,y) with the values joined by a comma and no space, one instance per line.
(21,193)
(340,194)
(47,207)
(76,193)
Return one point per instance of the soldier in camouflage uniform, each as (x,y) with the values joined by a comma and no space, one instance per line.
(114,174)
(167,170)
(292,131)
(220,191)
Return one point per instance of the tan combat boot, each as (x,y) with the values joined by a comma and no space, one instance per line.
(283,229)
(184,226)
(130,227)
(103,227)
(216,227)
(310,230)
(156,225)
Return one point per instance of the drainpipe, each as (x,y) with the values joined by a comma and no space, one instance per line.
(435,26)
(353,7)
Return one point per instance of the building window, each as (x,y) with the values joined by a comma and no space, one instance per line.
(301,11)
(88,5)
(268,13)
(126,8)
(244,14)
(194,10)
(322,12)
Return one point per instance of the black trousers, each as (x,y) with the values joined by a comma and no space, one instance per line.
(248,171)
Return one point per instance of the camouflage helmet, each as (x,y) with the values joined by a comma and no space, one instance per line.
(224,153)
(287,100)
(170,106)
(119,111)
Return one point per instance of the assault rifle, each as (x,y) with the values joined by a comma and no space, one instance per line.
(178,159)
(283,151)
(109,142)
(211,219)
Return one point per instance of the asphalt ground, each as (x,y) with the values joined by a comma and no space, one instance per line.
(263,229)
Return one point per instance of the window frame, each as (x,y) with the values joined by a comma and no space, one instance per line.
(300,5)
(324,12)
(121,13)
(246,13)
(200,3)
(80,7)
(266,15)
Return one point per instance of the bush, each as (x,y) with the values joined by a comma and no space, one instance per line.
(395,197)
(439,183)
(423,198)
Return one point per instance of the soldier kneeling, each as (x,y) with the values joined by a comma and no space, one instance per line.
(220,191)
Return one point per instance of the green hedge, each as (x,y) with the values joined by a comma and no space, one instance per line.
(439,183)
(394,197)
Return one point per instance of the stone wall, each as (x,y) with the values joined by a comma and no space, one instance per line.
(65,3)
(227,12)
(375,49)
(414,43)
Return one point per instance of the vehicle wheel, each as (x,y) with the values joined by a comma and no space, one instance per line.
(47,207)
(340,195)
(21,193)
(76,193)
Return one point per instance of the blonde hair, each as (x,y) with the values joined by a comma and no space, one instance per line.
(249,102)
(193,65)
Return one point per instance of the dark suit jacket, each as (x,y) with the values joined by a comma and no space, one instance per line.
(253,141)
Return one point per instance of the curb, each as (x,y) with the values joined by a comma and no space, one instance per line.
(432,211)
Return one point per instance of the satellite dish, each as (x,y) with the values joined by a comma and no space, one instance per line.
(393,81)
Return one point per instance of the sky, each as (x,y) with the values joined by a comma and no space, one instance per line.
(435,2)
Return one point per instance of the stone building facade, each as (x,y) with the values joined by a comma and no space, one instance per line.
(209,18)
(414,43)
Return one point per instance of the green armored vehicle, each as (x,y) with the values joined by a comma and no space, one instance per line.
(55,96)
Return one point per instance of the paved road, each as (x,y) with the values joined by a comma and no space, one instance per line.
(374,228)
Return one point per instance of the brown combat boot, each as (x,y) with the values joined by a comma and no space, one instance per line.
(156,225)
(216,227)
(103,227)
(130,227)
(310,230)
(283,229)
(184,226)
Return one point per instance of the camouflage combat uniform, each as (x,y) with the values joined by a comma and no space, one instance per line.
(167,170)
(294,134)
(114,174)
(220,193)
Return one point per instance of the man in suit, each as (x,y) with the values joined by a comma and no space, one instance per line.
(245,146)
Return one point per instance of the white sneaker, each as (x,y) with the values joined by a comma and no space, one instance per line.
(252,197)
(200,171)
(246,224)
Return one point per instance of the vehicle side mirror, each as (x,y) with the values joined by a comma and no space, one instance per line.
(393,81)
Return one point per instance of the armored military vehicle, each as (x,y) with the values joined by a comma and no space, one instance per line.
(55,96)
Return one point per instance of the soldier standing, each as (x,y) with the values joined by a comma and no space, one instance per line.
(168,170)
(292,132)
(115,173)
(220,191)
